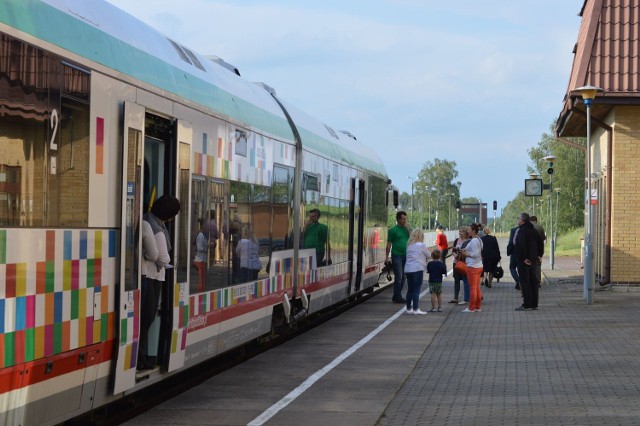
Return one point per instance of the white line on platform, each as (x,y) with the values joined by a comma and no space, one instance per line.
(291,396)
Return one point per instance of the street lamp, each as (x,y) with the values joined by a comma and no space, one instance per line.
(550,159)
(533,199)
(411,220)
(555,232)
(449,211)
(588,95)
(430,188)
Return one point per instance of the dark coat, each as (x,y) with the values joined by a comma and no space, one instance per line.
(511,248)
(510,245)
(528,244)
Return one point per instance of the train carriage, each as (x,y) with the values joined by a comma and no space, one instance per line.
(100,115)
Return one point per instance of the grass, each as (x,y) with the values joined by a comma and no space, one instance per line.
(569,244)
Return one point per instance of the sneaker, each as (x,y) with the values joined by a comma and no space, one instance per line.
(467,310)
(434,310)
(399,300)
(419,312)
(462,302)
(478,310)
(522,308)
(453,301)
(439,309)
(408,311)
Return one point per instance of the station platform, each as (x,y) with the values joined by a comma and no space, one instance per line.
(568,363)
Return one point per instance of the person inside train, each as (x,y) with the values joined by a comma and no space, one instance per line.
(200,258)
(156,246)
(316,235)
(211,232)
(249,252)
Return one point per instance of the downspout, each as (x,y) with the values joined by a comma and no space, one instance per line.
(606,279)
(297,184)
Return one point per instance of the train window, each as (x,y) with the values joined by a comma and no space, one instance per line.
(282,192)
(310,182)
(44,139)
(248,231)
(241,143)
(184,235)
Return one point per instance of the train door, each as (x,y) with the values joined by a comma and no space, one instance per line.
(153,165)
(129,294)
(356,234)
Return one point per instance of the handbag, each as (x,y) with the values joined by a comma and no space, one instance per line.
(461,267)
(499,272)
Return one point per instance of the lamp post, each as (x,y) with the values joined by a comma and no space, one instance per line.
(588,95)
(555,231)
(550,159)
(411,218)
(449,212)
(533,198)
(429,188)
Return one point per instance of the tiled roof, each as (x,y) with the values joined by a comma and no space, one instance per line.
(607,55)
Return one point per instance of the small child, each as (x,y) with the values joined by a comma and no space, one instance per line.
(435,269)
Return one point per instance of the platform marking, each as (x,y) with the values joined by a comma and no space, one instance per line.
(291,396)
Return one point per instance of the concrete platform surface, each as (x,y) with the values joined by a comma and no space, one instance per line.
(568,363)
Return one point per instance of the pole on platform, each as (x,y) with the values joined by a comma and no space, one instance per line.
(588,95)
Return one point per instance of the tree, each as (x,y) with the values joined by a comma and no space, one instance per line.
(568,179)
(436,191)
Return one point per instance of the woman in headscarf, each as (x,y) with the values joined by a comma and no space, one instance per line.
(156,246)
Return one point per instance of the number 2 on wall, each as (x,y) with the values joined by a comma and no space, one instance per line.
(54,126)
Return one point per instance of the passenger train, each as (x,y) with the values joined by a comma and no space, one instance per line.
(100,115)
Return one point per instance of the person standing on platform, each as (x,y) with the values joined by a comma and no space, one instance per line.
(490,256)
(459,244)
(528,247)
(513,266)
(538,265)
(436,269)
(397,239)
(417,255)
(443,246)
(473,258)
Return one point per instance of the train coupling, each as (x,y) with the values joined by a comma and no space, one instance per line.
(295,313)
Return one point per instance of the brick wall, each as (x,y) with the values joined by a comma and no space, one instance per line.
(625,209)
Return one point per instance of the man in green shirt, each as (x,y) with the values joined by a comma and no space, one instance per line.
(397,238)
(316,235)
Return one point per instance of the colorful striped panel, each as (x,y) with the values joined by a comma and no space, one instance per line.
(47,300)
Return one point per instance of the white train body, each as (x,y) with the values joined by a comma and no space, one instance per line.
(99,116)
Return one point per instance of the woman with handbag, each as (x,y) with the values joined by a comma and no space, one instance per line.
(459,244)
(490,256)
(473,259)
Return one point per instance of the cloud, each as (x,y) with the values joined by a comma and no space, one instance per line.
(434,79)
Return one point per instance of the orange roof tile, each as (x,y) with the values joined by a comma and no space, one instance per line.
(607,55)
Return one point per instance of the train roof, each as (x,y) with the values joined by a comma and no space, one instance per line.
(100,32)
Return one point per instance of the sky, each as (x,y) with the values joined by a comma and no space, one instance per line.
(472,81)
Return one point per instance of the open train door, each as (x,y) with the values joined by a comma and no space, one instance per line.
(129,292)
(178,297)
(356,234)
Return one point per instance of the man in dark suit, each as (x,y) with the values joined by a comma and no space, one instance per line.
(529,247)
(512,258)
